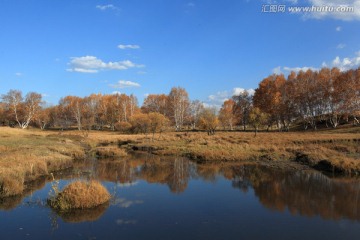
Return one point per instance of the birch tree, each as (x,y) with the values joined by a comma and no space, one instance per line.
(178,102)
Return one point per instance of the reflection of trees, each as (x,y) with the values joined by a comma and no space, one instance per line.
(302,192)
(179,178)
(313,194)
(175,172)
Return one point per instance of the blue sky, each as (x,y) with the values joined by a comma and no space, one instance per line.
(211,48)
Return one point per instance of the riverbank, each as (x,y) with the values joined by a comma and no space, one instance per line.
(336,152)
(29,154)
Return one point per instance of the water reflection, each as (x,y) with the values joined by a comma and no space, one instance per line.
(174,172)
(82,215)
(306,193)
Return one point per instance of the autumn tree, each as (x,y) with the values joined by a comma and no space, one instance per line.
(330,106)
(140,123)
(227,114)
(155,103)
(43,117)
(195,109)
(3,114)
(243,103)
(73,105)
(91,110)
(288,107)
(267,98)
(158,123)
(257,118)
(23,110)
(208,120)
(347,87)
(178,105)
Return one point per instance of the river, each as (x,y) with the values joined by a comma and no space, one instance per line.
(173,198)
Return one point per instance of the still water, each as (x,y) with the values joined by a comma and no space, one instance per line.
(173,198)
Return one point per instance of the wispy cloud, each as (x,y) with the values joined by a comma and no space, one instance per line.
(341,46)
(280,70)
(106,7)
(91,64)
(124,84)
(338,28)
(18,74)
(298,69)
(128,46)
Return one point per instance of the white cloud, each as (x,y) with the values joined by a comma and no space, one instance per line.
(298,69)
(91,64)
(128,46)
(18,74)
(346,63)
(116,93)
(338,28)
(124,84)
(217,99)
(45,95)
(238,91)
(341,46)
(277,70)
(341,15)
(106,7)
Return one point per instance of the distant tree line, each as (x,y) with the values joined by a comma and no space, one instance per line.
(327,96)
(307,97)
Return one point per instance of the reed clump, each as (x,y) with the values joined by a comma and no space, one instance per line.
(79,195)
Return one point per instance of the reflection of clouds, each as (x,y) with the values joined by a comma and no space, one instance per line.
(124,203)
(124,221)
(128,184)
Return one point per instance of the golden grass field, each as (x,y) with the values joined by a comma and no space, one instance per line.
(27,154)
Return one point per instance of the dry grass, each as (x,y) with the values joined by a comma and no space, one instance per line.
(342,149)
(28,154)
(80,195)
(109,152)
